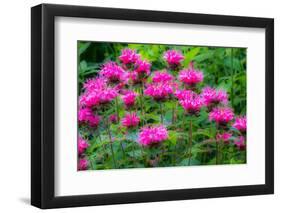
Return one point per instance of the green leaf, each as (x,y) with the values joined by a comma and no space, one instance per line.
(189,56)
(185,162)
(202,57)
(173,137)
(83,47)
(135,153)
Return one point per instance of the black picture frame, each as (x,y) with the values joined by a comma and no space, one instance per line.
(43,102)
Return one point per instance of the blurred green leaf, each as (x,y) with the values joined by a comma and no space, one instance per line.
(190,55)
(83,47)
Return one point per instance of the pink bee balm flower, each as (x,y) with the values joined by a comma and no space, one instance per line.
(193,104)
(82,145)
(225,137)
(213,96)
(184,94)
(191,76)
(152,135)
(86,115)
(82,100)
(89,99)
(83,164)
(221,115)
(240,143)
(142,67)
(94,121)
(113,118)
(134,76)
(107,95)
(159,77)
(119,86)
(131,77)
(112,71)
(240,123)
(130,120)
(129,56)
(173,57)
(95,84)
(159,91)
(129,98)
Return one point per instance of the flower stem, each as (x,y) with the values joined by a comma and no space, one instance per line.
(217,146)
(92,164)
(143,155)
(190,141)
(111,142)
(99,136)
(161,112)
(142,104)
(117,109)
(134,155)
(123,151)
(174,113)
(232,79)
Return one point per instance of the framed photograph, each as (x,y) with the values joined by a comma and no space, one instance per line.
(140,106)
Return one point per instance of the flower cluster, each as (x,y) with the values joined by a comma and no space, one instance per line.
(212,96)
(129,56)
(190,101)
(94,84)
(95,97)
(142,68)
(225,137)
(152,135)
(184,94)
(173,58)
(159,91)
(82,146)
(130,120)
(162,77)
(240,124)
(240,143)
(129,98)
(112,71)
(85,115)
(191,76)
(113,118)
(221,115)
(83,164)
(128,84)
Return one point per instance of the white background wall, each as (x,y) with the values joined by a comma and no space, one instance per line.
(15,105)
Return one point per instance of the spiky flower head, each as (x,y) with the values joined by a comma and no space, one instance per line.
(191,76)
(159,91)
(82,145)
(130,120)
(240,143)
(83,164)
(212,96)
(129,56)
(85,115)
(192,103)
(221,115)
(240,124)
(142,67)
(129,98)
(225,137)
(150,135)
(161,77)
(112,71)
(173,58)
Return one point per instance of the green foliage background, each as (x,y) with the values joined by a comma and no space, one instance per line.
(222,67)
